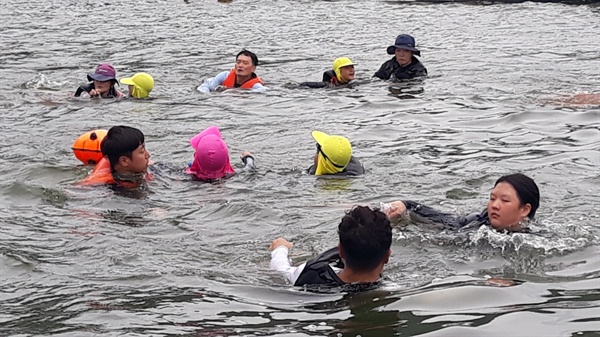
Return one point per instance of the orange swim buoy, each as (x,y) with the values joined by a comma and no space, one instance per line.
(87,147)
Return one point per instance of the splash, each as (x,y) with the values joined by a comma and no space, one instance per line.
(549,239)
(42,82)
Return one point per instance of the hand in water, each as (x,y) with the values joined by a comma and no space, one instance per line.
(280,242)
(394,210)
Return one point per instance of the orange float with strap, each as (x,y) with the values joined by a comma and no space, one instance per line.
(87,147)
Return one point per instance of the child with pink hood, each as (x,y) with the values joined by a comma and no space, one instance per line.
(211,160)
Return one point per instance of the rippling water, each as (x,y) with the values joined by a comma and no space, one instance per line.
(191,259)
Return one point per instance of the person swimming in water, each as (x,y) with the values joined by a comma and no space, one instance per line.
(102,85)
(514,199)
(242,76)
(342,73)
(140,84)
(334,157)
(211,159)
(404,65)
(125,162)
(365,238)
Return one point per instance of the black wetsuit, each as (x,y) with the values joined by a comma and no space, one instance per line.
(112,92)
(329,80)
(354,168)
(391,69)
(451,221)
(318,274)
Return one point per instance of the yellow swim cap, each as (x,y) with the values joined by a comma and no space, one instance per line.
(338,64)
(143,83)
(334,154)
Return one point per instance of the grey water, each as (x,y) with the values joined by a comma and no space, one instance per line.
(190,259)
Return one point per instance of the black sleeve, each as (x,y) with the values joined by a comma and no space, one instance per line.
(425,213)
(86,88)
(328,75)
(314,84)
(384,72)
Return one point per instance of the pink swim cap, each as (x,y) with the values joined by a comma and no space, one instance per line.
(211,160)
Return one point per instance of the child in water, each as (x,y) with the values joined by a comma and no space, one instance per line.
(211,160)
(342,73)
(334,157)
(140,84)
(102,85)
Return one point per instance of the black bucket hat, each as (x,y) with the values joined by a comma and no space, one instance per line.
(406,42)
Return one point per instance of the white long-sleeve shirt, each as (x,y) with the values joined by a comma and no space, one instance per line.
(281,263)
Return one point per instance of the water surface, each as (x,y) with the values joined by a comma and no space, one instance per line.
(186,258)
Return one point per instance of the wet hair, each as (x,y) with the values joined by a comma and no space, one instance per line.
(526,189)
(365,236)
(120,141)
(250,54)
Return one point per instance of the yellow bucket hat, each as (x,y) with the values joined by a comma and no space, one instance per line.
(142,83)
(334,153)
(338,64)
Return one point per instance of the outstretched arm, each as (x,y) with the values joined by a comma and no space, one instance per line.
(384,72)
(248,161)
(396,209)
(280,262)
(210,84)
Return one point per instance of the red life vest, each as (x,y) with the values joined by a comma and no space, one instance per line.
(230,81)
(102,175)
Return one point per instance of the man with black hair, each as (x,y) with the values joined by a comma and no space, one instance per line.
(365,237)
(125,161)
(241,76)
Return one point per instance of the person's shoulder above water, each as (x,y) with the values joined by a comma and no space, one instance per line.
(365,237)
(334,157)
(102,83)
(404,65)
(242,76)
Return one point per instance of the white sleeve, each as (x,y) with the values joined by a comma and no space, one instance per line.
(281,263)
(259,88)
(211,84)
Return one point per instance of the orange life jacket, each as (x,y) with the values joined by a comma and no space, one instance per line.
(102,175)
(230,81)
